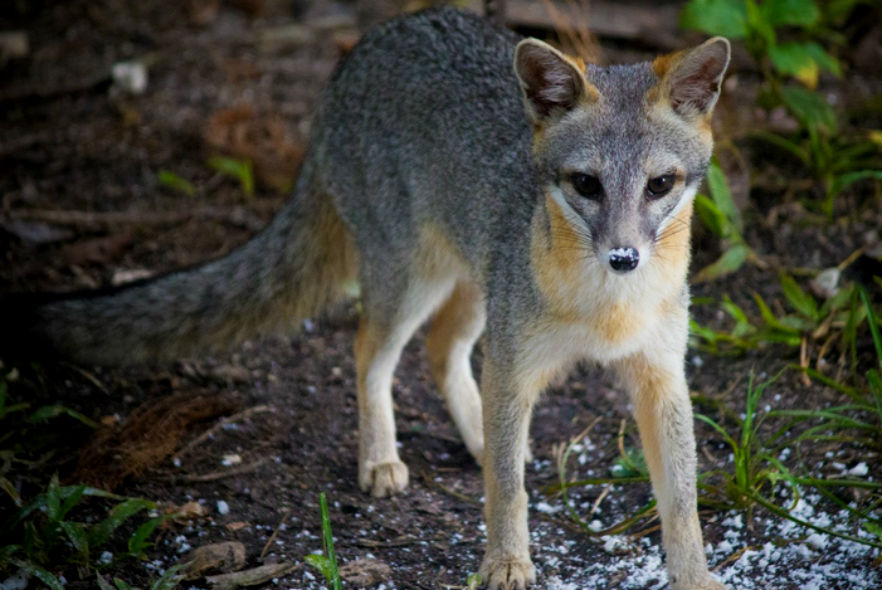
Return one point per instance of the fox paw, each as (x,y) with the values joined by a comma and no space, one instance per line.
(507,573)
(384,479)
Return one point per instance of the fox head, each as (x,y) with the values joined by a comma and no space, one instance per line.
(621,150)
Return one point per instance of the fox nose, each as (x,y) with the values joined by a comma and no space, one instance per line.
(623,259)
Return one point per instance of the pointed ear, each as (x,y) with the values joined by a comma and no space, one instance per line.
(552,83)
(691,80)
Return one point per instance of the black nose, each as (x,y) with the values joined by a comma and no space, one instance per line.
(623,259)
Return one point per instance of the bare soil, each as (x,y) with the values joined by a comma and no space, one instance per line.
(83,206)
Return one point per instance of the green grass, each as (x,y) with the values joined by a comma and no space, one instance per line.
(240,170)
(46,540)
(53,534)
(756,434)
(326,562)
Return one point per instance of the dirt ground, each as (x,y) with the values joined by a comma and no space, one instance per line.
(83,205)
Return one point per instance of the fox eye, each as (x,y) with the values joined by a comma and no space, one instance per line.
(660,185)
(586,185)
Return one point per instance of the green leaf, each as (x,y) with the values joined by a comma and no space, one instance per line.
(169,578)
(803,61)
(799,299)
(10,409)
(731,260)
(703,332)
(824,60)
(810,108)
(837,301)
(722,431)
(101,532)
(873,322)
(103,584)
(138,541)
(793,59)
(241,170)
(722,196)
(71,495)
(761,33)
(799,13)
(733,310)
(53,500)
(743,327)
(788,146)
(321,563)
(795,323)
(769,317)
(76,533)
(40,573)
(844,180)
(328,542)
(46,413)
(716,17)
(872,528)
(630,464)
(175,182)
(710,215)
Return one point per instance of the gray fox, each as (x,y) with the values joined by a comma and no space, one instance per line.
(457,170)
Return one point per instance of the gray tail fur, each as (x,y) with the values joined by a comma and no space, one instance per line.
(295,268)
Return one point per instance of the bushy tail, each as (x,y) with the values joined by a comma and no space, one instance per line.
(295,268)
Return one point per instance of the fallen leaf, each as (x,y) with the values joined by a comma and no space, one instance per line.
(236,526)
(224,557)
(251,577)
(189,511)
(365,572)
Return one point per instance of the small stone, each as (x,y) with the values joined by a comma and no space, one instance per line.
(231,459)
(826,284)
(130,76)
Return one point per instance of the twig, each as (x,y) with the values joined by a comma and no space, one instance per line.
(275,534)
(246,413)
(216,475)
(734,557)
(599,499)
(646,531)
(459,496)
(804,361)
(399,543)
(89,376)
(238,216)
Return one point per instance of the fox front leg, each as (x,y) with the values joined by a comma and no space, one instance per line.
(663,412)
(506,416)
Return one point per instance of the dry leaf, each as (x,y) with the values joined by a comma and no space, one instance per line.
(189,511)
(224,557)
(365,572)
(251,577)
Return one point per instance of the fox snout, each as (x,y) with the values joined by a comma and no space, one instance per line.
(624,259)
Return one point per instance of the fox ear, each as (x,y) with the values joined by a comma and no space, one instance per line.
(552,83)
(691,80)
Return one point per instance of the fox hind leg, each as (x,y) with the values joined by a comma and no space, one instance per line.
(384,329)
(455,328)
